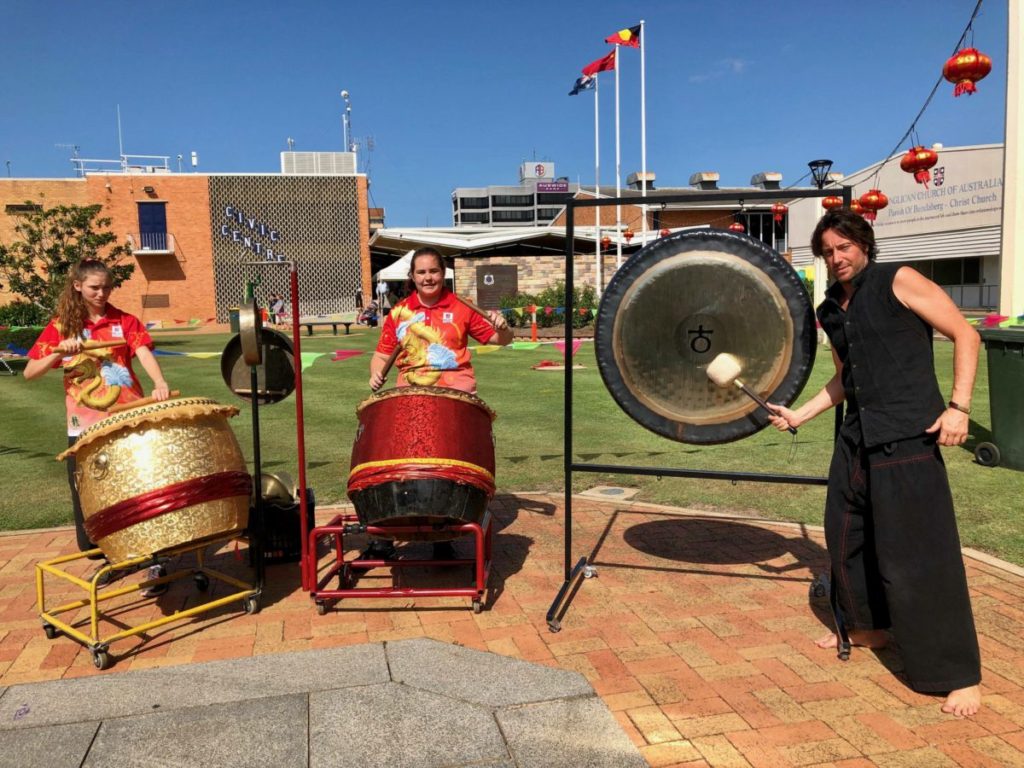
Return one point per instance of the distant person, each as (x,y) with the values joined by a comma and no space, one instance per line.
(382,294)
(359,298)
(889,519)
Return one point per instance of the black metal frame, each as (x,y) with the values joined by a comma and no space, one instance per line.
(573,572)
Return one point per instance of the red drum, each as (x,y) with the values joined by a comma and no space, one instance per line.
(422,456)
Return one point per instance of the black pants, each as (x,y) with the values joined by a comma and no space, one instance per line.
(896,560)
(76,504)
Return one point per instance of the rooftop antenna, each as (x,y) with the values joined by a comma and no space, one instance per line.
(195,160)
(291,143)
(74,156)
(120,138)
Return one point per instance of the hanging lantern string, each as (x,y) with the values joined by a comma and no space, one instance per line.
(969,29)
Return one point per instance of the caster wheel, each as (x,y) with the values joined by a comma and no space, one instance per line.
(987,454)
(589,572)
(478,607)
(202,581)
(101,660)
(51,631)
(321,608)
(251,605)
(554,626)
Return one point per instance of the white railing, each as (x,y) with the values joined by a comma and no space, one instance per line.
(151,242)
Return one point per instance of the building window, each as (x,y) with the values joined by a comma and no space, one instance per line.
(21,210)
(472,202)
(546,214)
(517,200)
(512,216)
(552,197)
(152,226)
(474,218)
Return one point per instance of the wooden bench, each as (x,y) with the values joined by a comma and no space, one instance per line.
(333,323)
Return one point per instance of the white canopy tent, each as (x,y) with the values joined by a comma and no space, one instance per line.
(399,270)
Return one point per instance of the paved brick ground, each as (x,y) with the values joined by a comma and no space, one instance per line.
(696,632)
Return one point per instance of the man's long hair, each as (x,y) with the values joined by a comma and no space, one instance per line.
(850,225)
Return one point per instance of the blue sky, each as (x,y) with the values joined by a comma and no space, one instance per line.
(461,92)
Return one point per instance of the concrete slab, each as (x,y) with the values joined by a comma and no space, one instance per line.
(383,726)
(262,733)
(56,746)
(475,676)
(567,732)
(138,693)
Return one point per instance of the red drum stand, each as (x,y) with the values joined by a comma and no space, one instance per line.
(349,571)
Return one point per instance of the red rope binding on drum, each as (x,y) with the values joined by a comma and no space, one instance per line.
(171,498)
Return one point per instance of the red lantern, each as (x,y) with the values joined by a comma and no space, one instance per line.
(856,207)
(917,161)
(584,311)
(965,68)
(737,227)
(665,232)
(780,210)
(628,234)
(873,201)
(832,201)
(606,243)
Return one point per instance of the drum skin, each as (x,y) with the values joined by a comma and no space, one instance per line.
(678,303)
(422,456)
(160,476)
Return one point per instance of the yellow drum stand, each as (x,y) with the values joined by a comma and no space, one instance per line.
(95,595)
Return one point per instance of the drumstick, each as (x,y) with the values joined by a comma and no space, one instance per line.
(387,366)
(725,370)
(475,308)
(102,344)
(118,407)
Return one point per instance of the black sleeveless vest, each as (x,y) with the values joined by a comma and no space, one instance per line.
(888,365)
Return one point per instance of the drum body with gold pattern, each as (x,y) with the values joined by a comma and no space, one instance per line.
(422,456)
(160,476)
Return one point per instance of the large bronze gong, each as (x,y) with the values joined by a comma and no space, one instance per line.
(681,301)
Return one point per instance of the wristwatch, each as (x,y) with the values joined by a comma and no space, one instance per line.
(957,407)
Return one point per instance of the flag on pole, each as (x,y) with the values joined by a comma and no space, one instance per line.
(604,64)
(585,83)
(628,37)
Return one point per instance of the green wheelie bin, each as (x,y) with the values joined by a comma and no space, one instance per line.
(1005,350)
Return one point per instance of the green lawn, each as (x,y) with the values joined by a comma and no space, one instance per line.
(528,433)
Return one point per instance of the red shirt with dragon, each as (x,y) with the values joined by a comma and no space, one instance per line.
(433,340)
(93,382)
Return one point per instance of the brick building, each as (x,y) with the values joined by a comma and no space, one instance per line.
(200,240)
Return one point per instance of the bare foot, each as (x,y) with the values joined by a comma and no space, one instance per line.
(865,638)
(963,702)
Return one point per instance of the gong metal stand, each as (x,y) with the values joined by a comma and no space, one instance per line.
(300,421)
(574,573)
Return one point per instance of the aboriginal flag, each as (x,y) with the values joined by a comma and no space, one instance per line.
(629,37)
(603,64)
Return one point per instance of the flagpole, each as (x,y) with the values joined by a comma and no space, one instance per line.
(618,169)
(597,191)
(643,130)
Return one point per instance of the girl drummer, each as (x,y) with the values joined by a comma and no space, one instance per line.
(94,378)
(432,327)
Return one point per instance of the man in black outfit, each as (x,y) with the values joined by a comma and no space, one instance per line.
(889,520)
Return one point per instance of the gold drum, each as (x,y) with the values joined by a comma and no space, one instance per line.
(160,476)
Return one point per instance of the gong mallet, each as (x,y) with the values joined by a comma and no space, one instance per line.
(725,371)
